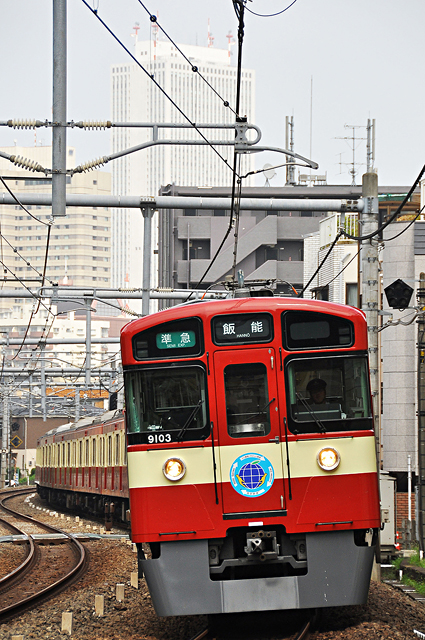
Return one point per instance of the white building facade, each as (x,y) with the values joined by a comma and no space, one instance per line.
(337,279)
(136,99)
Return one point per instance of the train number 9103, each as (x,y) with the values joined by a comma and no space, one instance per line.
(159,437)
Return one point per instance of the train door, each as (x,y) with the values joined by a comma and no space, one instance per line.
(249,432)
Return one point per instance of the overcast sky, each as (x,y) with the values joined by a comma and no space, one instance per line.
(366,59)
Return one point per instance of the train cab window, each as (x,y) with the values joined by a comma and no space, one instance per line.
(166,404)
(328,394)
(247,401)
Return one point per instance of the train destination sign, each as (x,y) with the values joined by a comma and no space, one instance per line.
(175,340)
(242,328)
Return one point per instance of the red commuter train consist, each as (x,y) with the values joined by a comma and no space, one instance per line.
(83,465)
(251,455)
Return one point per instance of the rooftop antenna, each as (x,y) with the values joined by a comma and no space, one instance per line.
(136,29)
(269,173)
(370,145)
(155,34)
(231,42)
(289,144)
(311,122)
(210,36)
(355,142)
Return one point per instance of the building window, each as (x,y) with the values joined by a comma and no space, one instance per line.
(351,294)
(198,250)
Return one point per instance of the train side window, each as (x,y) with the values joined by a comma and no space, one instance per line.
(80,456)
(109,451)
(94,452)
(247,401)
(124,448)
(117,449)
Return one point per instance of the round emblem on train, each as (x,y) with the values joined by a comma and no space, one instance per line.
(251,475)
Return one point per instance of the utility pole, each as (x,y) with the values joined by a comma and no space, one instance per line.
(147,213)
(421,412)
(59,110)
(370,305)
(88,344)
(370,289)
(4,438)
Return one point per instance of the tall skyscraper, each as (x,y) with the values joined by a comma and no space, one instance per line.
(135,98)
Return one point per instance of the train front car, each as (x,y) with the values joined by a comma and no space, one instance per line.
(251,455)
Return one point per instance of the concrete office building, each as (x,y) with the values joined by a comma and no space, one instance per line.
(135,98)
(270,243)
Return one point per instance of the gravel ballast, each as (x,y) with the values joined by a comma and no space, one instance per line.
(388,615)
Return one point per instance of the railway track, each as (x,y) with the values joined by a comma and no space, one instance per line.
(238,626)
(53,560)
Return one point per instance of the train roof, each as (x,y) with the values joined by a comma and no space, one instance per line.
(85,422)
(205,308)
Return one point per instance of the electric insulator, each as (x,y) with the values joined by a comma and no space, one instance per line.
(88,124)
(89,166)
(31,165)
(24,124)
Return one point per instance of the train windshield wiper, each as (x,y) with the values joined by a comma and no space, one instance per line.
(189,420)
(305,404)
(254,415)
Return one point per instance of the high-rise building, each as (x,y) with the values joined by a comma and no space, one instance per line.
(80,244)
(136,99)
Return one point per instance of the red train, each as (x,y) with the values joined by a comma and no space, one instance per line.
(251,455)
(83,465)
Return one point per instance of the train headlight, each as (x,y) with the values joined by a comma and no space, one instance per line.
(328,459)
(174,469)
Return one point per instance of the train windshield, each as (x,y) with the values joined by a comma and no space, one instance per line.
(328,394)
(166,404)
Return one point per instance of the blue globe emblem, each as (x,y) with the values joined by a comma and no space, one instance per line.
(251,475)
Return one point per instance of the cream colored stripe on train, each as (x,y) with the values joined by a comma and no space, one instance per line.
(145,467)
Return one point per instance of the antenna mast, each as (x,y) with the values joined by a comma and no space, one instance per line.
(210,36)
(289,144)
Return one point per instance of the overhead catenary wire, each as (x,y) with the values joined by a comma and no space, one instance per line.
(194,68)
(343,268)
(406,228)
(235,175)
(27,262)
(337,237)
(392,217)
(270,15)
(342,232)
(20,203)
(152,77)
